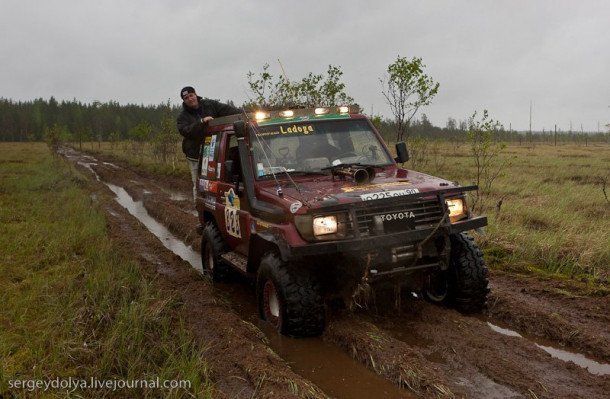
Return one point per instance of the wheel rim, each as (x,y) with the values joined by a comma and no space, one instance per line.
(271,303)
(437,287)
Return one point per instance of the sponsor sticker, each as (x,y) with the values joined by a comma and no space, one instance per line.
(210,202)
(204,161)
(295,206)
(373,186)
(212,148)
(262,225)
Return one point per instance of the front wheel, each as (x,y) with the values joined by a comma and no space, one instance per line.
(464,285)
(289,298)
(467,276)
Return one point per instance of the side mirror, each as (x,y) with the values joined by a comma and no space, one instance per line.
(240,129)
(401,152)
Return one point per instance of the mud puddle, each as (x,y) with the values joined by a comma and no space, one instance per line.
(327,366)
(330,368)
(168,240)
(593,366)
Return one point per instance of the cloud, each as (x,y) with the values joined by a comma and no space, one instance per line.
(498,55)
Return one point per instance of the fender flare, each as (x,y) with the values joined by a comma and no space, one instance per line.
(265,241)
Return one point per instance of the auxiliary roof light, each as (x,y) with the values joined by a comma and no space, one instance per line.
(321,111)
(344,109)
(287,114)
(260,115)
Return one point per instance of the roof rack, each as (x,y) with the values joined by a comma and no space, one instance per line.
(268,117)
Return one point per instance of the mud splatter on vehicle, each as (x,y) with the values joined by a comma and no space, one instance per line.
(311,204)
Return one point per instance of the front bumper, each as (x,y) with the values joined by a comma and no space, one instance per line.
(381,242)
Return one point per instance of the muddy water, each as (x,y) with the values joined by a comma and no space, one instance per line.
(591,365)
(331,369)
(170,242)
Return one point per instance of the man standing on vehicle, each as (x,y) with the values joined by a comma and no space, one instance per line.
(196,112)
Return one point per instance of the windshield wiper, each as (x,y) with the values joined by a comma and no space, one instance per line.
(296,172)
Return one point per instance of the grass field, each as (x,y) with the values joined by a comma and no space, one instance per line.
(73,304)
(553,215)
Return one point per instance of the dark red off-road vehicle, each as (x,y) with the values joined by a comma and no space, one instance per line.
(311,203)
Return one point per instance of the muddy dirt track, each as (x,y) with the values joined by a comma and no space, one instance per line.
(513,351)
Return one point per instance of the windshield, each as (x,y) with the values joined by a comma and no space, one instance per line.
(312,146)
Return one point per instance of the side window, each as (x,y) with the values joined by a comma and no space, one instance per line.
(232,154)
(208,163)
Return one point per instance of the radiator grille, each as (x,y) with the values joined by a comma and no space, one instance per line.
(367,221)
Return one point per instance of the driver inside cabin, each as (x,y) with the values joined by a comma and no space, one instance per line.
(302,153)
(316,146)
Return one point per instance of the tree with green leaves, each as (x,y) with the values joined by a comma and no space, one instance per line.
(313,90)
(55,136)
(485,148)
(165,143)
(139,135)
(406,88)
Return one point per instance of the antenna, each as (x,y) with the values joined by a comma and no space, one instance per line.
(283,71)
(287,81)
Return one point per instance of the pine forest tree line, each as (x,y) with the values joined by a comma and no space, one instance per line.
(111,121)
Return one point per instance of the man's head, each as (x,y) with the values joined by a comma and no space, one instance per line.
(189,96)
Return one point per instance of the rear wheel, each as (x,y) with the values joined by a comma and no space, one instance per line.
(289,298)
(212,247)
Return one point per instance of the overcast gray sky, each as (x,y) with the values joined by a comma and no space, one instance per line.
(486,54)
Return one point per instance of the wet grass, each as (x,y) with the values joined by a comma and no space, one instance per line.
(73,304)
(547,210)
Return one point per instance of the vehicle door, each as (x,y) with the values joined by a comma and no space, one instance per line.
(234,210)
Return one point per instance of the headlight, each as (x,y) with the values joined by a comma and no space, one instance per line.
(321,227)
(457,209)
(324,225)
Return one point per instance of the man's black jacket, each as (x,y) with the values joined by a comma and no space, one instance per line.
(191,127)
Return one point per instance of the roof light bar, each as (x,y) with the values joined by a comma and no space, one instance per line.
(285,114)
(260,115)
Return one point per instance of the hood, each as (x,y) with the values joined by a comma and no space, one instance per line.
(319,191)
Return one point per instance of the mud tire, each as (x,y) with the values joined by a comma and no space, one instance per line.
(212,247)
(467,277)
(290,298)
